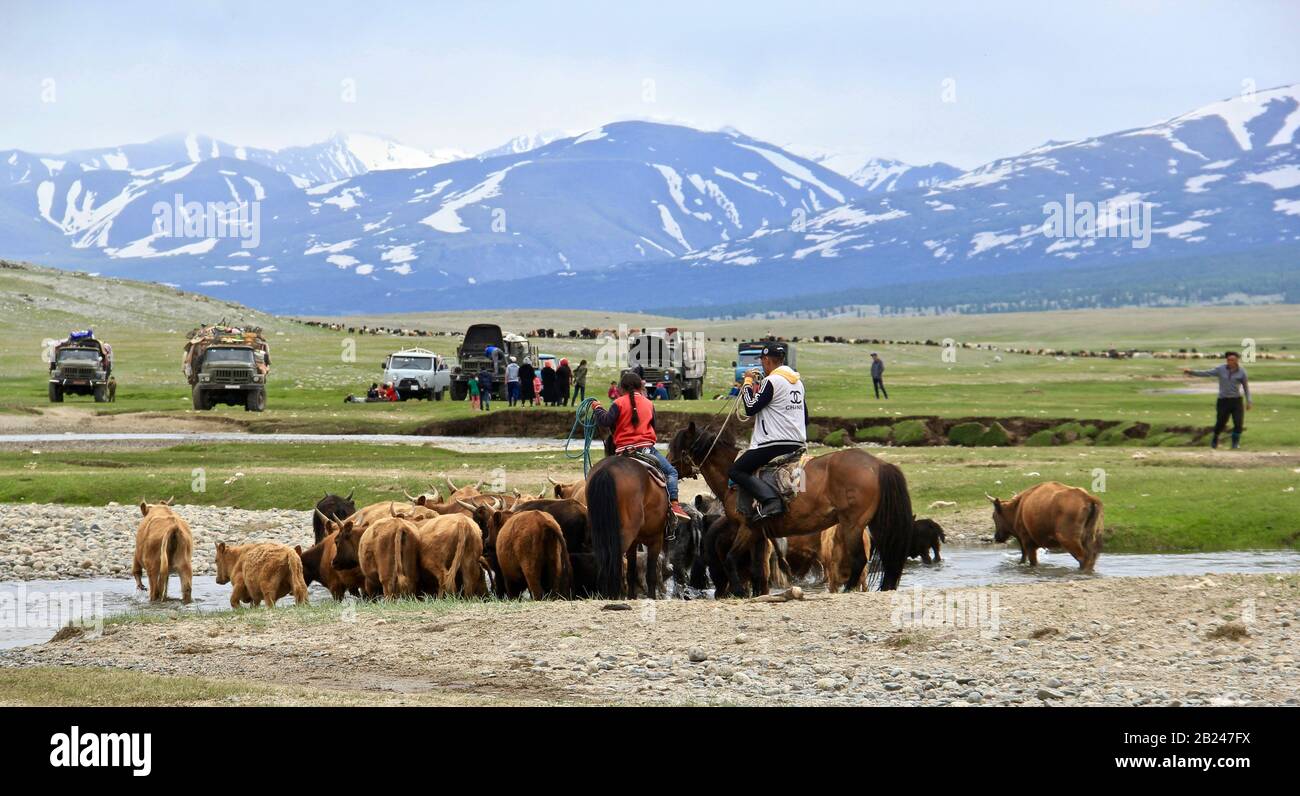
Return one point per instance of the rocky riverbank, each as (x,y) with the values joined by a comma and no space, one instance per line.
(1220,640)
(52,542)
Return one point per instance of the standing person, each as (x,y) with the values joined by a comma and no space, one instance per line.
(632,420)
(512,382)
(537,390)
(526,374)
(1232,384)
(548,383)
(878,376)
(782,426)
(473,394)
(563,375)
(613,390)
(485,387)
(580,381)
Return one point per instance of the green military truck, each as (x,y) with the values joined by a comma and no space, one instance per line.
(227,365)
(486,346)
(81,365)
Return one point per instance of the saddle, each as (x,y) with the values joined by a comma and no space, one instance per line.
(784,474)
(657,475)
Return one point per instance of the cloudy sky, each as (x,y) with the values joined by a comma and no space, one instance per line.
(915,80)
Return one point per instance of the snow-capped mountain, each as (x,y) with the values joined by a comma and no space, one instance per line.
(630,191)
(876,173)
(1173,208)
(644,215)
(525,143)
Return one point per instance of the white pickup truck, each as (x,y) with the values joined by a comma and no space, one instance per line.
(417,373)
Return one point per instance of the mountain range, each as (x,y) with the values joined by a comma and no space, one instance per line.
(645,215)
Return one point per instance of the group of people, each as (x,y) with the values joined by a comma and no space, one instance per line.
(375,394)
(550,385)
(775,392)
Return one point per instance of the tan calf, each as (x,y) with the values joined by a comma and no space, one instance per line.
(388,554)
(1051,514)
(163,545)
(450,552)
(261,572)
(530,551)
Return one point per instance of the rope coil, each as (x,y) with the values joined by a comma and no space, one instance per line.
(584,418)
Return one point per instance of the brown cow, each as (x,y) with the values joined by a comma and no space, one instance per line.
(388,556)
(450,556)
(261,571)
(318,564)
(163,545)
(1051,514)
(530,551)
(574,490)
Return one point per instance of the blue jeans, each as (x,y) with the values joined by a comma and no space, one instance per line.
(670,472)
(512,392)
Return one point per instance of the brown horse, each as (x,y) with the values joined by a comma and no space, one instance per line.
(848,489)
(626,507)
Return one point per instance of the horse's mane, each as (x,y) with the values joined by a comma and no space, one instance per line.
(706,440)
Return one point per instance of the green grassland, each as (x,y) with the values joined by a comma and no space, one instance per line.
(313,368)
(1166,500)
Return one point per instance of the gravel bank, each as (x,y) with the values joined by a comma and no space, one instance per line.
(52,542)
(1221,640)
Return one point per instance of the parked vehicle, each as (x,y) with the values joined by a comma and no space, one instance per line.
(227,365)
(747,355)
(81,365)
(417,373)
(472,356)
(671,357)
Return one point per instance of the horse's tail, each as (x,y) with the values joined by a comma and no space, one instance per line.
(891,529)
(606,532)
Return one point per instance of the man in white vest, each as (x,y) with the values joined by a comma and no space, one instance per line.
(775,399)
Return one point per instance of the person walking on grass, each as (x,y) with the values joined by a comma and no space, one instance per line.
(580,382)
(485,388)
(512,382)
(473,394)
(878,376)
(1232,386)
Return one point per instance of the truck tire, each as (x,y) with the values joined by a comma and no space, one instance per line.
(459,391)
(56,394)
(696,389)
(200,399)
(255,401)
(437,395)
(101,393)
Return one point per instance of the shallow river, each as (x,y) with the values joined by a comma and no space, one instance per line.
(31,611)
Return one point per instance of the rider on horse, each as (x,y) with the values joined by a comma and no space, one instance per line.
(777,402)
(632,418)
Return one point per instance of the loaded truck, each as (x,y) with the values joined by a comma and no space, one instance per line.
(485,345)
(227,365)
(672,357)
(417,373)
(747,356)
(81,365)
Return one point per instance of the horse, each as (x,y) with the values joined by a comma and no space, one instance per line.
(848,489)
(626,507)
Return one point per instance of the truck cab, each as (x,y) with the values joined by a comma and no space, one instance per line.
(671,357)
(417,373)
(230,374)
(748,354)
(80,365)
(472,357)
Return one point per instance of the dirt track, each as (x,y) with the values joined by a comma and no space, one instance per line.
(1132,641)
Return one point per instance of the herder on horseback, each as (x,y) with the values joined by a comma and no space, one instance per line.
(775,400)
(632,419)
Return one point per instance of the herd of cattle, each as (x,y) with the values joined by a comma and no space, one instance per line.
(473,543)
